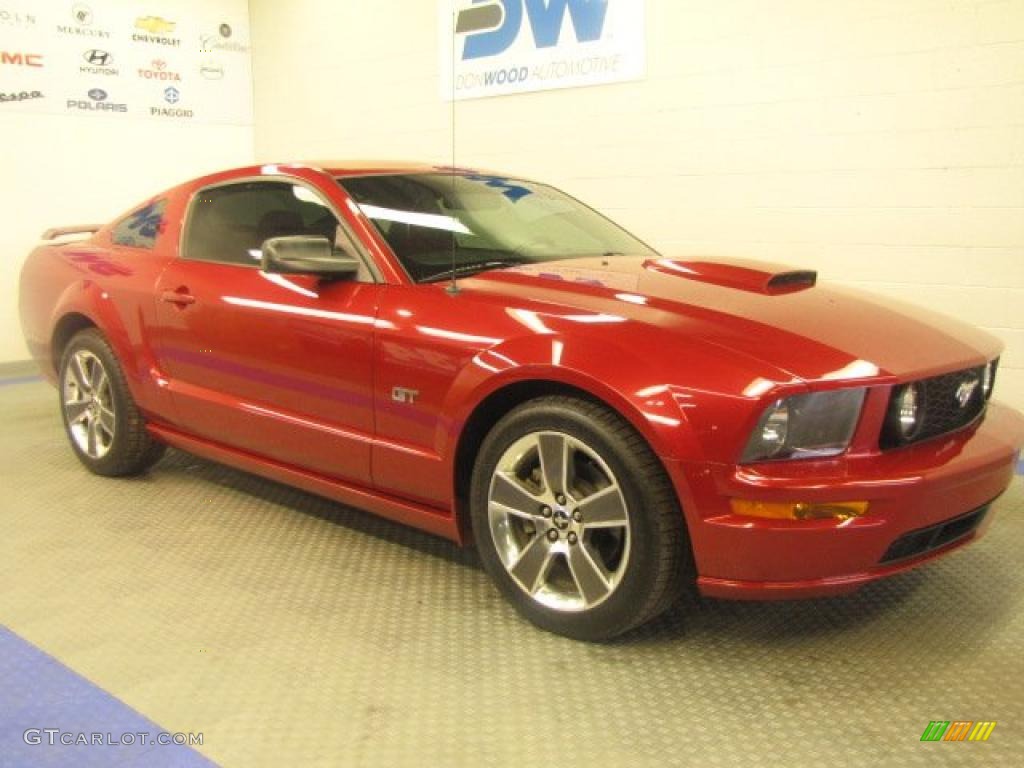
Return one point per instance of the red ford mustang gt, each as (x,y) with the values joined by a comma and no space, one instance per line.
(480,355)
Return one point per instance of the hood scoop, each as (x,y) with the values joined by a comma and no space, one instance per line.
(751,276)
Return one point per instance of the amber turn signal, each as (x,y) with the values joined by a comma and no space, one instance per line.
(787,510)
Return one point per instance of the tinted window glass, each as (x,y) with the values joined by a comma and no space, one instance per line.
(230,223)
(483,221)
(140,228)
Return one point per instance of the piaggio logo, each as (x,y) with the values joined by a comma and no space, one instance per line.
(492,26)
(958,730)
(172,95)
(21,59)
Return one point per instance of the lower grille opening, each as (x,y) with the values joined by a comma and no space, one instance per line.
(933,537)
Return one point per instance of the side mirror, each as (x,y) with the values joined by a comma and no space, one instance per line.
(307,255)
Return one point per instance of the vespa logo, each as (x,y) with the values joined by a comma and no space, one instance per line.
(965,391)
(493,26)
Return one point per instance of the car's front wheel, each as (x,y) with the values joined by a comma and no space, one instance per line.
(102,421)
(575,519)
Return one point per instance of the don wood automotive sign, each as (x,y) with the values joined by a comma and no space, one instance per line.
(498,47)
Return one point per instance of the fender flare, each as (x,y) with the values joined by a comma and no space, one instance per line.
(584,363)
(86,298)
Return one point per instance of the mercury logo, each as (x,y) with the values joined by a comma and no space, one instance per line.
(82,14)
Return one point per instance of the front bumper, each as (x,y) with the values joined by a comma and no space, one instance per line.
(925,500)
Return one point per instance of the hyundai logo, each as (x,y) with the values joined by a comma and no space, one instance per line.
(98,58)
(98,94)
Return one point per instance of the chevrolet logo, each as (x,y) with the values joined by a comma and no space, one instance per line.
(154,24)
(965,391)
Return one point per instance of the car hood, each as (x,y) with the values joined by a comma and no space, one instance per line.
(768,312)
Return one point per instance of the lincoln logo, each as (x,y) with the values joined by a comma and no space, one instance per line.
(965,390)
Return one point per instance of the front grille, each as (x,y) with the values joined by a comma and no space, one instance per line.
(941,408)
(934,536)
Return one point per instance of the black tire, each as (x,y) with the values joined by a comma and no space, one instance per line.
(130,450)
(659,561)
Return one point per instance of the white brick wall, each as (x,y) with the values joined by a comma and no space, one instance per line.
(878,141)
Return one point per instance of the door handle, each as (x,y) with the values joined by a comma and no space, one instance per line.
(181,297)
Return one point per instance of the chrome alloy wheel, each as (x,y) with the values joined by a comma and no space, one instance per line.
(88,404)
(559,521)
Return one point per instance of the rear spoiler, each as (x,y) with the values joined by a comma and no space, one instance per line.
(81,229)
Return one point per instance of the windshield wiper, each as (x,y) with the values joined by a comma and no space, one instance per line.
(468,269)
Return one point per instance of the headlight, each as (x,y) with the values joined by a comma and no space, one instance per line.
(988,378)
(806,426)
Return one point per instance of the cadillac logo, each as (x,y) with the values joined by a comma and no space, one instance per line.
(965,391)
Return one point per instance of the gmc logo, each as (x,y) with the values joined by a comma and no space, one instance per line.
(503,21)
(22,59)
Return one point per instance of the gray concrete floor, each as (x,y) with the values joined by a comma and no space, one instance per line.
(292,631)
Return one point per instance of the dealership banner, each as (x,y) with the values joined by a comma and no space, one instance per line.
(183,60)
(499,47)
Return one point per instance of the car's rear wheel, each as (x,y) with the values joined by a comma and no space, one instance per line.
(575,519)
(103,423)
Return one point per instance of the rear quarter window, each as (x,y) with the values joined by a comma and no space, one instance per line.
(141,228)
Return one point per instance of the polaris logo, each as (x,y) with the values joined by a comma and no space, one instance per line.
(98,103)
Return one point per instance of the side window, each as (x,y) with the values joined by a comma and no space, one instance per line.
(140,228)
(229,223)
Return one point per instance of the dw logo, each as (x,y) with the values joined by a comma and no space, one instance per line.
(493,26)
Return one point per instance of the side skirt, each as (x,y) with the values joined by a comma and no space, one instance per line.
(425,518)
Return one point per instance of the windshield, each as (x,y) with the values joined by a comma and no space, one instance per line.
(485,222)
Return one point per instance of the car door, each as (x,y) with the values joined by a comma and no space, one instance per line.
(274,365)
